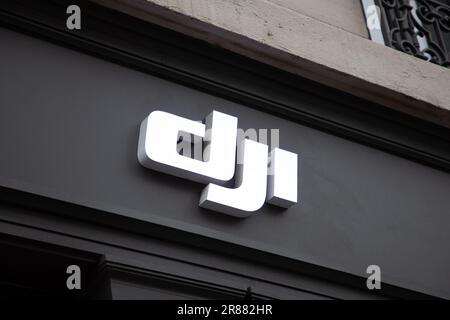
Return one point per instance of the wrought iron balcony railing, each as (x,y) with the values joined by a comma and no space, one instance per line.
(418,27)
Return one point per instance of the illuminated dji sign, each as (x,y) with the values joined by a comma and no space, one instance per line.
(259,177)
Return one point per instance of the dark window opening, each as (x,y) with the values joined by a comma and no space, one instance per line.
(31,270)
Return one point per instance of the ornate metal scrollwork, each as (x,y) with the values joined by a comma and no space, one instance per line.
(418,27)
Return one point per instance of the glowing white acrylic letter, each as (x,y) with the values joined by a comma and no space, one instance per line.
(250,184)
(158,146)
(282,181)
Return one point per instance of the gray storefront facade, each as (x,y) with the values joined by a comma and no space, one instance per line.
(373,183)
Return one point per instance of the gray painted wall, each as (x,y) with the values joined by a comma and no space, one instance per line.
(69,127)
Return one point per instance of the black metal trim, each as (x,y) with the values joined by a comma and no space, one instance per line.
(403,23)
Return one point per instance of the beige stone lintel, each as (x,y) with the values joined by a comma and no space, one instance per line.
(270,33)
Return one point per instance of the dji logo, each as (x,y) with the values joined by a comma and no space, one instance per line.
(258,176)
